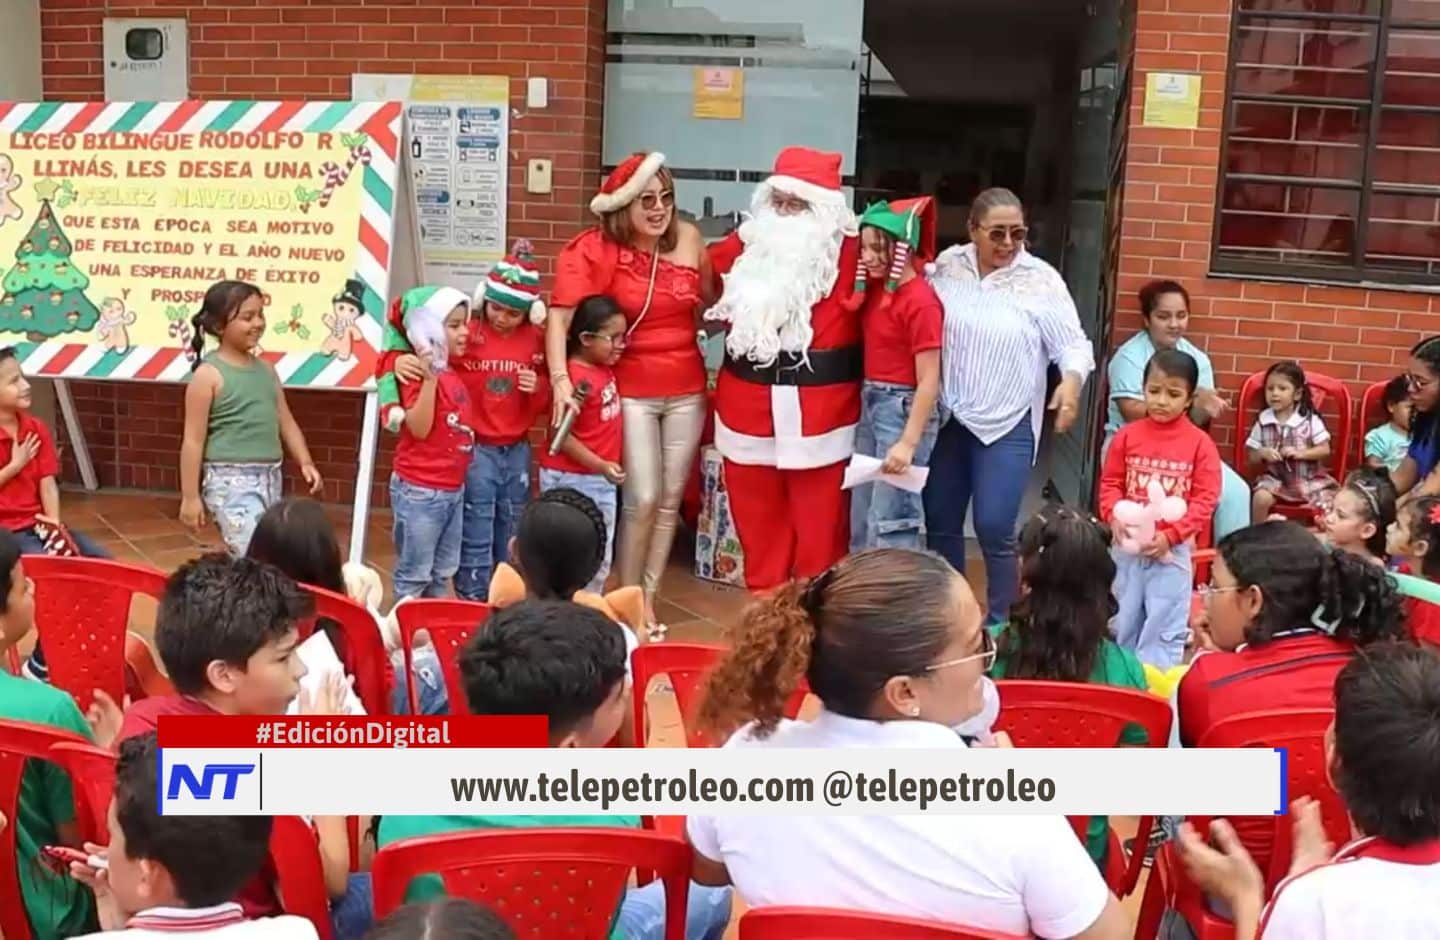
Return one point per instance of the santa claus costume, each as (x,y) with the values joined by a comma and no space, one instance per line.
(788,397)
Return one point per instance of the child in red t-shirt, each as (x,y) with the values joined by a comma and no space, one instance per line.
(898,418)
(1153,587)
(588,458)
(427,485)
(1414,547)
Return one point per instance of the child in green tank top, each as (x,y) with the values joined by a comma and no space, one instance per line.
(236,419)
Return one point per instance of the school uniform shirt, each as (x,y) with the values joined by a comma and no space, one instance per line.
(1296,669)
(1371,888)
(57,906)
(20,496)
(439,459)
(1387,444)
(1016,874)
(1178,455)
(898,327)
(257,898)
(225,921)
(597,426)
(501,414)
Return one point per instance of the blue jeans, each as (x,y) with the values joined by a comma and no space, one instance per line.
(995,475)
(31,544)
(236,495)
(427,538)
(496,487)
(602,491)
(1154,599)
(881,515)
(425,664)
(642,912)
(352,916)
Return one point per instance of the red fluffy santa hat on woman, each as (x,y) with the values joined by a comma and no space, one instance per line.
(626,182)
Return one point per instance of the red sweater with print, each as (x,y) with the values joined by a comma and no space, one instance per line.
(1179,455)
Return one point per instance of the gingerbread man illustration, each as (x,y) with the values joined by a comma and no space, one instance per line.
(9,182)
(111,329)
(340,322)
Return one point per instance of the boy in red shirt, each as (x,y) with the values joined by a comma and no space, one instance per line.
(1153,587)
(588,457)
(427,485)
(29,465)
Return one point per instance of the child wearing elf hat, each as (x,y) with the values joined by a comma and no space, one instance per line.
(500,368)
(901,322)
(427,484)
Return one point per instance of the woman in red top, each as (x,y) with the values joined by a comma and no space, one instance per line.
(1285,613)
(587,459)
(651,263)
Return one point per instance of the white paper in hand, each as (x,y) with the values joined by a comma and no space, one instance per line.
(321,662)
(864,469)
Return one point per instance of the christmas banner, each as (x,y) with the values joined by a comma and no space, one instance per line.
(116,217)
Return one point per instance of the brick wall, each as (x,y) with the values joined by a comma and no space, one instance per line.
(308,49)
(1357,335)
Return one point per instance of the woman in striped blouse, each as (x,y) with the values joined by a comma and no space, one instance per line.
(1008,316)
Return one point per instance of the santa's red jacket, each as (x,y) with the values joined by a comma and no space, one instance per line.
(793,416)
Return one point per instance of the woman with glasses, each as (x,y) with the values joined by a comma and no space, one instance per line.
(892,643)
(653,264)
(1165,314)
(1416,475)
(1008,316)
(1284,613)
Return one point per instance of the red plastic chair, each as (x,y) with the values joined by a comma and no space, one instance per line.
(542,882)
(450,624)
(93,770)
(19,741)
(686,664)
(1372,414)
(1036,713)
(82,610)
(818,923)
(1302,733)
(300,875)
(143,677)
(1338,420)
(364,646)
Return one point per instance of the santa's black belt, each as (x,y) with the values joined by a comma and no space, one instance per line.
(824,367)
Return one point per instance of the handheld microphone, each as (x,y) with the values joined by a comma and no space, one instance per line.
(567,422)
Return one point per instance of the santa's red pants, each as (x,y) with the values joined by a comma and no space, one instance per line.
(791,523)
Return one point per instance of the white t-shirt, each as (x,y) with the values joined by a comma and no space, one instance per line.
(224,921)
(1017,874)
(1370,889)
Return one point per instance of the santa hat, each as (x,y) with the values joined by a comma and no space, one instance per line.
(416,324)
(515,283)
(813,175)
(626,181)
(912,223)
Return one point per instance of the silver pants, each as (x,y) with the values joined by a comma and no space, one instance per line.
(661,436)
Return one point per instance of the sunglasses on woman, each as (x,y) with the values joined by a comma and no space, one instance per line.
(1000,234)
(652,200)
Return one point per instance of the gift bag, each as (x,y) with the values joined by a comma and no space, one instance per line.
(717,545)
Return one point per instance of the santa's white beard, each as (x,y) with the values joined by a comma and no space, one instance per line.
(789,264)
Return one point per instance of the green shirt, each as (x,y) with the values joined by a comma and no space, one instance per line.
(395,828)
(58,906)
(244,424)
(1114,666)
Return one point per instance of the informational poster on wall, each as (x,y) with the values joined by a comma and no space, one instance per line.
(456,151)
(115,218)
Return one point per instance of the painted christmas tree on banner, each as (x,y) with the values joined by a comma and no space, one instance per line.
(44,293)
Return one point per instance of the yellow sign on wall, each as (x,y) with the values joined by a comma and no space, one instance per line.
(719,93)
(1172,99)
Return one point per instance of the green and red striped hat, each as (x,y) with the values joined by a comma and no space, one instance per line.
(514,282)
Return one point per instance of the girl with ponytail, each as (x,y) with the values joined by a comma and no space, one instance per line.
(236,419)
(1284,614)
(891,642)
